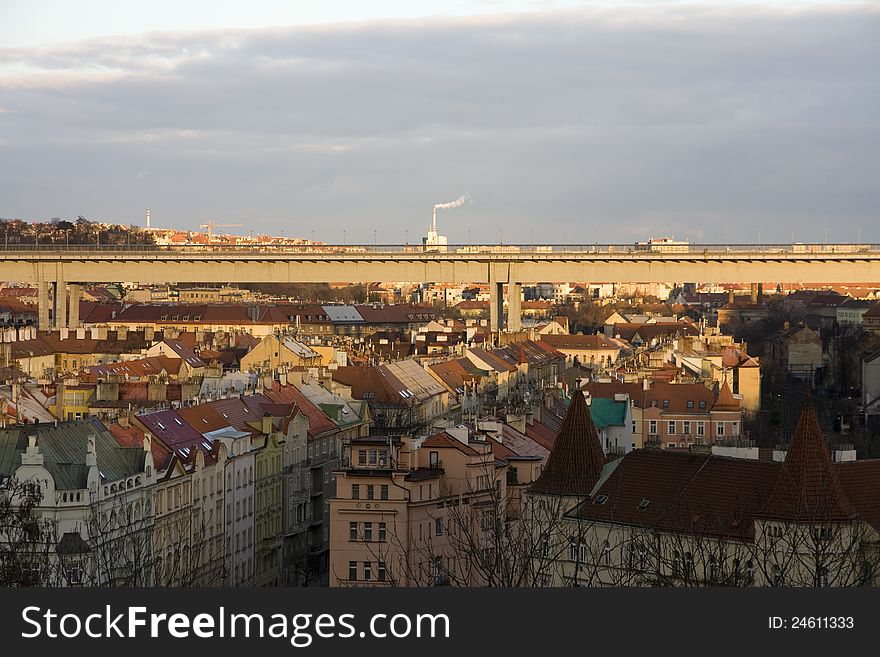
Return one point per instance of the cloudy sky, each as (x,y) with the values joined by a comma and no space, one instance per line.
(565,122)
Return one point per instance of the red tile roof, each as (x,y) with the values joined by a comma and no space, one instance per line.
(319,423)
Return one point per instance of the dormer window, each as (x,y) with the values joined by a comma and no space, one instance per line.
(665,403)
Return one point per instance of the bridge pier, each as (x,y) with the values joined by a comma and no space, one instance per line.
(514,307)
(43,305)
(60,298)
(74,295)
(496,305)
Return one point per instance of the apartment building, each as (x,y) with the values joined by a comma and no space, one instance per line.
(404,508)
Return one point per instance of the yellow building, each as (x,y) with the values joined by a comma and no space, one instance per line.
(273,351)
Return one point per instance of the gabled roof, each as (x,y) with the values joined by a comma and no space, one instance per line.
(203,418)
(577,459)
(319,423)
(176,434)
(444,440)
(131,436)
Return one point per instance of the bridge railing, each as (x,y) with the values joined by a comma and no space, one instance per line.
(451,249)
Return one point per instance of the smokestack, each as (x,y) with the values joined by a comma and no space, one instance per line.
(148,217)
(434,220)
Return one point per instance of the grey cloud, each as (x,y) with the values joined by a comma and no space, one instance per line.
(578,126)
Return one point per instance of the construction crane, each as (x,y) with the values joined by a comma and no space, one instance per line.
(211,226)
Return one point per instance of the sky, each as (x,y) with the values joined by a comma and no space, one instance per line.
(566,122)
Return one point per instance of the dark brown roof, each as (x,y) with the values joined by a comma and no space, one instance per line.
(575,463)
(684,492)
(807,488)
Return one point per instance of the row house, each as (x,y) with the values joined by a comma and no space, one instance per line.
(310,484)
(47,354)
(192,510)
(593,351)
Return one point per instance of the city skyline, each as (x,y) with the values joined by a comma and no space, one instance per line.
(566,125)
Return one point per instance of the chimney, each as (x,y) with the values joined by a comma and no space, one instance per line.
(267,424)
(754,293)
(730,297)
(760,293)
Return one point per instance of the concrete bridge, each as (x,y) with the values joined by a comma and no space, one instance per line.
(67,267)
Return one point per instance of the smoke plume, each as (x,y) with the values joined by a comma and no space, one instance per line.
(461,200)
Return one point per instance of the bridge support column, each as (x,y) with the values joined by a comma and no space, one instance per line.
(60,316)
(514,307)
(43,305)
(74,296)
(496,305)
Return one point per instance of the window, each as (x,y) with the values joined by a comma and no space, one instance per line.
(383,492)
(362,457)
(355,491)
(370,488)
(373,457)
(702,404)
(383,457)
(719,429)
(686,427)
(380,571)
(690,403)
(368,531)
(701,428)
(671,427)
(652,427)
(353,570)
(734,429)
(438,527)
(665,403)
(434,459)
(352,531)
(633,426)
(368,571)
(383,533)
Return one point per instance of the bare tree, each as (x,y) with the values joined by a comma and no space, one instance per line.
(27,539)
